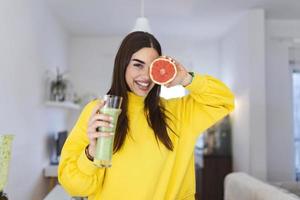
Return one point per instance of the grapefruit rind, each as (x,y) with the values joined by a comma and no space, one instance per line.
(169,62)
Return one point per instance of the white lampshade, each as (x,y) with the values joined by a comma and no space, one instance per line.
(142,24)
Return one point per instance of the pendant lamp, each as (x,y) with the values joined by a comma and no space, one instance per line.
(142,23)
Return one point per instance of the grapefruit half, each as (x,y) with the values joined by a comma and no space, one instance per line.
(162,71)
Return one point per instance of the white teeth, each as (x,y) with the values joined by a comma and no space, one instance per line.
(143,84)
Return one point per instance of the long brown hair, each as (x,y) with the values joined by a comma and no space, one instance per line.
(154,111)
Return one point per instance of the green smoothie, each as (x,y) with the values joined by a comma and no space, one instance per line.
(104,147)
(5,154)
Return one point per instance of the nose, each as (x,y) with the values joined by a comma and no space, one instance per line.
(145,71)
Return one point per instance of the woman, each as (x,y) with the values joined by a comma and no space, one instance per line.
(155,138)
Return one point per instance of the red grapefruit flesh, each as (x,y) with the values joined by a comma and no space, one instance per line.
(162,71)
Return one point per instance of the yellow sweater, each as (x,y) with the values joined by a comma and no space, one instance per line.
(142,169)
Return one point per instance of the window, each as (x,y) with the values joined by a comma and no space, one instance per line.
(296,105)
(172,92)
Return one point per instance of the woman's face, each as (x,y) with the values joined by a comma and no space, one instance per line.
(137,72)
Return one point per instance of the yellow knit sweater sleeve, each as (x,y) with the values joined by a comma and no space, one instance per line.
(76,173)
(208,101)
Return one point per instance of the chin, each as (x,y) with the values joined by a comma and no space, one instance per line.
(141,94)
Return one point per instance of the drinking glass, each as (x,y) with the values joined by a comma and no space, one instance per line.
(104,146)
(5,154)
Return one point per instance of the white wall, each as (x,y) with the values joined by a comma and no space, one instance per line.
(31,42)
(243,69)
(91,63)
(92,59)
(196,55)
(279,99)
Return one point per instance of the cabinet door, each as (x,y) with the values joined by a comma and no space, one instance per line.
(216,167)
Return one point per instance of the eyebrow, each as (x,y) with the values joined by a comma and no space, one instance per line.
(140,61)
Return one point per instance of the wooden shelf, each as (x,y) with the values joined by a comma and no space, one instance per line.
(65,104)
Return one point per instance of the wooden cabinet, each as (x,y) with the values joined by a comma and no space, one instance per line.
(210,178)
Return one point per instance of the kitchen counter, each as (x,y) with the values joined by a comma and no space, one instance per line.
(50,172)
(57,193)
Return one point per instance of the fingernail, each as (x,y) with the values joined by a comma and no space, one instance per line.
(110,118)
(111,125)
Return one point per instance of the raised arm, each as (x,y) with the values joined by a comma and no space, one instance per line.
(208,101)
(211,96)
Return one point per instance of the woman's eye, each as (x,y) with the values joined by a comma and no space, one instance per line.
(138,65)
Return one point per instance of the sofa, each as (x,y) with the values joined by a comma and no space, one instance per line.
(241,186)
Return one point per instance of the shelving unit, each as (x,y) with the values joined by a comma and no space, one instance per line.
(50,172)
(65,104)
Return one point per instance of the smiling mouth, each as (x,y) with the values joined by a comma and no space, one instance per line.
(143,85)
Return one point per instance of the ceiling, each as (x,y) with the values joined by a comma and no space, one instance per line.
(201,18)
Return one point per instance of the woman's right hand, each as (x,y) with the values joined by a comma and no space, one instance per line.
(96,120)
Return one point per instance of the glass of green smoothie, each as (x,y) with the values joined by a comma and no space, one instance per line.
(105,144)
(5,154)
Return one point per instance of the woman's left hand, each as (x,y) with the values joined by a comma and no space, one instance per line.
(182,77)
